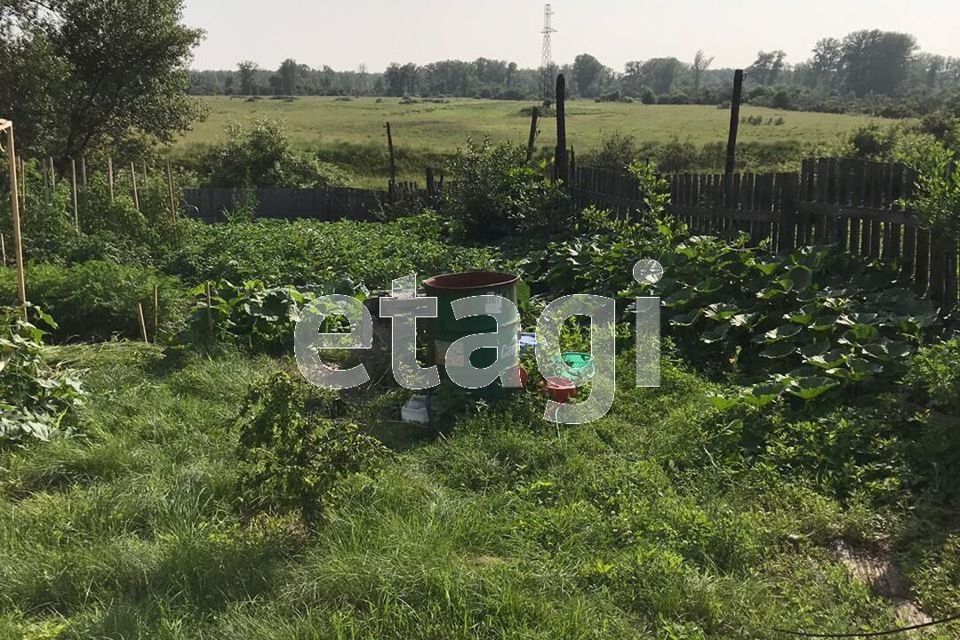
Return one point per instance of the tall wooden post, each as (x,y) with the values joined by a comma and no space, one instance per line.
(83,172)
(734,122)
(73,194)
(534,122)
(15,208)
(561,162)
(393,163)
(22,168)
(110,177)
(3,249)
(133,179)
(173,203)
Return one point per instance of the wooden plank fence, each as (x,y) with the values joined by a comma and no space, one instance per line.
(854,204)
(329,205)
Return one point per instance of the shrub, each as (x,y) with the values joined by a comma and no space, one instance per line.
(932,378)
(262,155)
(35,397)
(497,194)
(617,151)
(292,456)
(98,300)
(249,314)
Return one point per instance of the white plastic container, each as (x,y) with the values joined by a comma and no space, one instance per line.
(416,410)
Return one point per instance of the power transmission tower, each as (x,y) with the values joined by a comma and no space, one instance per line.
(546,64)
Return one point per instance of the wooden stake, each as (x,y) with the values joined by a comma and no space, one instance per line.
(734,122)
(534,122)
(73,188)
(53,175)
(143,324)
(110,177)
(83,172)
(133,179)
(22,168)
(15,204)
(156,311)
(3,249)
(210,309)
(393,162)
(173,204)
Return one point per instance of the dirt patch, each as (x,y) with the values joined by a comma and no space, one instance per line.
(878,570)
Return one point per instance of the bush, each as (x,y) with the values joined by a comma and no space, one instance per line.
(98,300)
(933,379)
(497,194)
(292,456)
(34,396)
(262,155)
(617,151)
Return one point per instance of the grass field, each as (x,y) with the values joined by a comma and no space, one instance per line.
(425,132)
(504,529)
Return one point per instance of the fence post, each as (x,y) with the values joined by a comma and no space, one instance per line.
(561,167)
(734,122)
(534,122)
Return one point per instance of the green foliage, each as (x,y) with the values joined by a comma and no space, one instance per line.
(802,324)
(79,74)
(261,155)
(933,379)
(35,396)
(292,456)
(98,300)
(306,252)
(938,185)
(497,194)
(249,314)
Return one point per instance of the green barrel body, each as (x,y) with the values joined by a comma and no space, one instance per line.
(445,329)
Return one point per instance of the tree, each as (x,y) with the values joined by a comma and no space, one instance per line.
(288,77)
(826,63)
(98,72)
(586,73)
(248,72)
(658,74)
(701,63)
(767,68)
(877,61)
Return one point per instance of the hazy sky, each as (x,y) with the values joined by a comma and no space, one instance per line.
(345,33)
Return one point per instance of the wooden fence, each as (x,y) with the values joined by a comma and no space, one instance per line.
(853,204)
(330,205)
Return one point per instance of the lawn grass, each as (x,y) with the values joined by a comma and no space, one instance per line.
(425,133)
(503,528)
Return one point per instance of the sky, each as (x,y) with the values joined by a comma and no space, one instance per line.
(345,33)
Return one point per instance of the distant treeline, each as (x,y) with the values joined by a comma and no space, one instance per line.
(874,71)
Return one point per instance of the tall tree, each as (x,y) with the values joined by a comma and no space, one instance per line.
(99,71)
(767,68)
(288,77)
(586,74)
(701,64)
(877,61)
(827,61)
(248,77)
